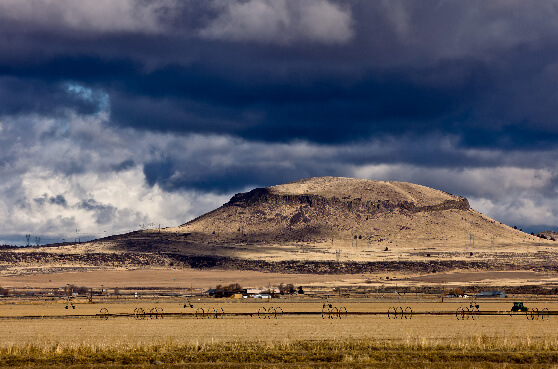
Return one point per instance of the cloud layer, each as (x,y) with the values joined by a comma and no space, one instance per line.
(280,21)
(120,114)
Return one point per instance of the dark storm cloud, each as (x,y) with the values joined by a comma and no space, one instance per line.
(403,68)
(57,200)
(103,214)
(25,96)
(198,100)
(124,165)
(322,107)
(223,179)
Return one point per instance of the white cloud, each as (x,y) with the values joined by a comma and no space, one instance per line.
(510,195)
(527,209)
(494,182)
(271,21)
(98,15)
(63,175)
(93,203)
(79,172)
(281,21)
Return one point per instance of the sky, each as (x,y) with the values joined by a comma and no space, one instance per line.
(130,114)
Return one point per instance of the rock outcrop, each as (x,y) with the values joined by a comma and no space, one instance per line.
(318,225)
(342,210)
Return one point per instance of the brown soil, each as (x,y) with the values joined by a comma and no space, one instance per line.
(188,278)
(522,276)
(203,279)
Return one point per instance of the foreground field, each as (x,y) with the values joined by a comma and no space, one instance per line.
(481,353)
(430,341)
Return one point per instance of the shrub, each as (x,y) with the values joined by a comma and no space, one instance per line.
(286,288)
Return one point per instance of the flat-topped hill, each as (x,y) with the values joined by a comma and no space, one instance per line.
(330,213)
(323,225)
(365,190)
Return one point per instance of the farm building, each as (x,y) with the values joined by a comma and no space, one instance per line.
(254,291)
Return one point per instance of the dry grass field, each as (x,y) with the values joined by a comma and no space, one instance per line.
(203,279)
(61,336)
(375,246)
(173,278)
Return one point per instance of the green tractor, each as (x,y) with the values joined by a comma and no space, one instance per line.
(518,306)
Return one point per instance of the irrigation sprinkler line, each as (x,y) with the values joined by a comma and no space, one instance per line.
(394,311)
(199,312)
(139,313)
(278,312)
(263,313)
(333,312)
(104,313)
(267,313)
(156,312)
(408,312)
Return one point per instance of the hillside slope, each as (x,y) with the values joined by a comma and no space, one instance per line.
(324,225)
(329,213)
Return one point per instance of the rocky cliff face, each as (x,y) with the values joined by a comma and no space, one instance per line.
(321,209)
(264,196)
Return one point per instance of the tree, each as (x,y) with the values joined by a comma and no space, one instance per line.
(72,288)
(286,288)
(233,287)
(82,290)
(225,291)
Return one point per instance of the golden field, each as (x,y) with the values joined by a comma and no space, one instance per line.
(62,336)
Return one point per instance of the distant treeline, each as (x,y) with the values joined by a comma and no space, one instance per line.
(7,247)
